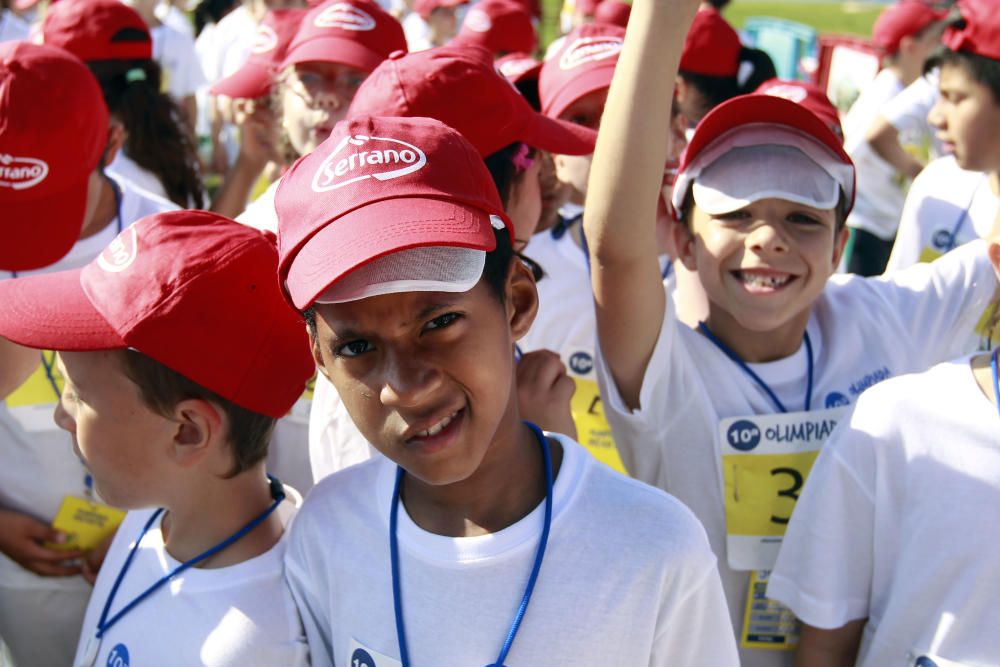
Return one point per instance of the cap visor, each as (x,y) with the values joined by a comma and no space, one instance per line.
(378,229)
(584,83)
(40,232)
(250,82)
(52,312)
(334,50)
(559,136)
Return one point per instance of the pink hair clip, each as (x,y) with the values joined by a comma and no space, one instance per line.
(523,158)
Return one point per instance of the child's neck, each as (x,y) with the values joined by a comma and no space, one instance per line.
(755,347)
(508,485)
(106,211)
(214,510)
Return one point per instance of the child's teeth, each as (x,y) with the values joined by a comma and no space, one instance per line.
(764,281)
(437,428)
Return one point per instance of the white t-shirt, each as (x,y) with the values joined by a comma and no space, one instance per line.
(39,468)
(908,111)
(899,524)
(947,207)
(628,578)
(174,50)
(128,169)
(237,615)
(260,214)
(12,27)
(175,18)
(881,190)
(862,332)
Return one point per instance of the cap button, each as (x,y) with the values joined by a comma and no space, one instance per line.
(396,55)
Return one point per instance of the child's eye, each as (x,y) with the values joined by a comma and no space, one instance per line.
(442,321)
(804,218)
(354,348)
(733,216)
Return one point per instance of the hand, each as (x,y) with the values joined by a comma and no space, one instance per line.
(94,558)
(22,538)
(258,135)
(544,392)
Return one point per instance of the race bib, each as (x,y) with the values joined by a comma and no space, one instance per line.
(767,624)
(766,460)
(592,429)
(33,403)
(362,656)
(86,523)
(928,255)
(929,660)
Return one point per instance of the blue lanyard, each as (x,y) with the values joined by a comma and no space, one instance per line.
(953,237)
(996,377)
(104,624)
(49,367)
(397,599)
(703,328)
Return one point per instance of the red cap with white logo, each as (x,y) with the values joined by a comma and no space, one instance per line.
(584,63)
(175,286)
(491,112)
(376,188)
(256,77)
(613,12)
(903,19)
(97,30)
(808,95)
(357,33)
(425,7)
(519,66)
(46,154)
(499,26)
(712,47)
(979,31)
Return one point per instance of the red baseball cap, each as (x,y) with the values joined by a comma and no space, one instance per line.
(802,160)
(712,47)
(379,186)
(903,19)
(586,7)
(46,154)
(584,63)
(173,286)
(97,30)
(518,67)
(810,96)
(499,26)
(358,33)
(613,12)
(979,32)
(425,7)
(460,86)
(256,77)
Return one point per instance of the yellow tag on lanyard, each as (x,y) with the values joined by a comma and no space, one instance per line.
(86,523)
(766,460)
(592,429)
(928,255)
(767,624)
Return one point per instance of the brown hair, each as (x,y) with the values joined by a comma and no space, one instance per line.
(163,388)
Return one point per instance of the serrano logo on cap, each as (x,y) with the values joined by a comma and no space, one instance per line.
(589,49)
(478,21)
(515,68)
(120,253)
(344,16)
(21,173)
(357,158)
(265,40)
(787,91)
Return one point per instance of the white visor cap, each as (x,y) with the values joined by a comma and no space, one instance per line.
(761,162)
(421,269)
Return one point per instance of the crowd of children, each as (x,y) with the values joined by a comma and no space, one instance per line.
(366,333)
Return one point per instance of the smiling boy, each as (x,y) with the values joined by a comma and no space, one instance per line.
(414,301)
(729,416)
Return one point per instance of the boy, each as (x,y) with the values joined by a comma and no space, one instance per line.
(906,33)
(42,596)
(394,243)
(168,409)
(729,416)
(956,198)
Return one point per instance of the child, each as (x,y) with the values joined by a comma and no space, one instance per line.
(394,243)
(709,65)
(499,26)
(906,32)
(729,416)
(158,153)
(956,198)
(889,558)
(168,409)
(62,196)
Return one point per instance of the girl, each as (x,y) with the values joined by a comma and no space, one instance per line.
(729,415)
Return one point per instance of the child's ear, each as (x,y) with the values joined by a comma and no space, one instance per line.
(839,243)
(684,245)
(522,298)
(317,353)
(199,426)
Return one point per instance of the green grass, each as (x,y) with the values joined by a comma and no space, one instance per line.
(855,18)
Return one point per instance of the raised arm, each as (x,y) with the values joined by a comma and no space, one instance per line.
(625,179)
